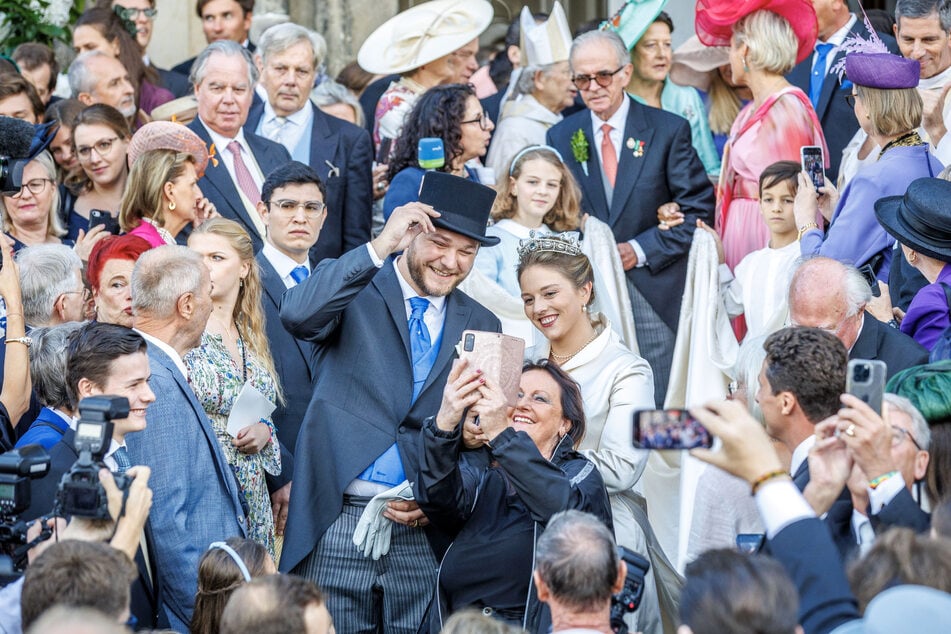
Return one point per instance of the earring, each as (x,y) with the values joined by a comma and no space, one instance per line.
(584,308)
(746,67)
(171,205)
(240,282)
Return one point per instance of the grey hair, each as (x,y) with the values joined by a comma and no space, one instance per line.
(281,37)
(577,559)
(48,363)
(526,79)
(609,37)
(914,9)
(857,291)
(46,272)
(919,426)
(330,92)
(55,227)
(81,79)
(161,276)
(228,49)
(746,370)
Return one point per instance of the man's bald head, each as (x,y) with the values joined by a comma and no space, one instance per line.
(827,294)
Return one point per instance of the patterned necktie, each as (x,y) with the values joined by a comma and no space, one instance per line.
(121,456)
(608,155)
(299,274)
(419,343)
(277,126)
(241,172)
(818,72)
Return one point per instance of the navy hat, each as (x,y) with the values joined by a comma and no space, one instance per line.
(921,219)
(463,203)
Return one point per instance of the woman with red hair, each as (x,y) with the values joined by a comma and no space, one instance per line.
(110,276)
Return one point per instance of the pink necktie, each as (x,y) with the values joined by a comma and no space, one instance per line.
(245,180)
(608,155)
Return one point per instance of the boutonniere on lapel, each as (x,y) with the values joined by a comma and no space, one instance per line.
(579,148)
(211,155)
(334,170)
(637,145)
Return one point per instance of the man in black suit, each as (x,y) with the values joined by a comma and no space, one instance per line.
(824,89)
(385,332)
(830,295)
(340,152)
(224,76)
(284,263)
(222,20)
(614,147)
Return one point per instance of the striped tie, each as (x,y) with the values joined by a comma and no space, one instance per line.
(241,172)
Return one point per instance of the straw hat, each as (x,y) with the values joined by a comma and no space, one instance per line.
(422,34)
(165,135)
(693,61)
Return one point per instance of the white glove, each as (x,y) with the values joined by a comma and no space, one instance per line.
(373,530)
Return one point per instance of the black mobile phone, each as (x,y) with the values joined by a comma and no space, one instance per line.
(383,156)
(750,543)
(99,217)
(866,380)
(812,163)
(669,429)
(869,275)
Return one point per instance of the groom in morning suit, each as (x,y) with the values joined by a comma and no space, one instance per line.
(385,331)
(638,158)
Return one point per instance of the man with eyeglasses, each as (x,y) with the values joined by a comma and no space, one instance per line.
(629,160)
(141,14)
(340,152)
(827,294)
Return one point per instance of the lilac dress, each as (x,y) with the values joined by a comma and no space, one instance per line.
(928,315)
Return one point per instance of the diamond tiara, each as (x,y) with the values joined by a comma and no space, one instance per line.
(566,243)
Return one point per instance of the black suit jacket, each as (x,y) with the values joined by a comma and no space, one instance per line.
(175,82)
(838,521)
(221,190)
(838,121)
(879,341)
(342,154)
(902,511)
(362,400)
(371,96)
(185,68)
(294,359)
(668,170)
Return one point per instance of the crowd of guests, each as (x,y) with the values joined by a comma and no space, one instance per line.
(274,272)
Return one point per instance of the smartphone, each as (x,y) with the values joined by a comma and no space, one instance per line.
(498,356)
(866,380)
(99,217)
(812,163)
(869,274)
(750,543)
(669,429)
(383,156)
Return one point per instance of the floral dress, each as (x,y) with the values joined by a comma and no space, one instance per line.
(217,380)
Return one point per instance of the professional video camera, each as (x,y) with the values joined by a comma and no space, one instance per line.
(80,492)
(629,598)
(16,139)
(17,468)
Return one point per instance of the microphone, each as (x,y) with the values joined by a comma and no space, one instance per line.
(16,138)
(430,153)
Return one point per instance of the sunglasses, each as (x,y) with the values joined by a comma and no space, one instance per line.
(602,77)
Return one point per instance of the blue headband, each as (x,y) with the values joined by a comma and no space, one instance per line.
(234,555)
(532,148)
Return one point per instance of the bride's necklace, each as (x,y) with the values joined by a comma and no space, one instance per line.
(562,358)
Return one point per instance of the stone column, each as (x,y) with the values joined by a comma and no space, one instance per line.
(344,23)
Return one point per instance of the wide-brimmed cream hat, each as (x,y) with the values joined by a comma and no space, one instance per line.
(693,61)
(422,34)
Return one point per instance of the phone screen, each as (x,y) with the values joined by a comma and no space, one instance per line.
(812,164)
(669,429)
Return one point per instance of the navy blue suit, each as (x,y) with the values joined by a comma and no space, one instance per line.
(668,170)
(218,186)
(348,149)
(884,343)
(362,400)
(294,359)
(838,121)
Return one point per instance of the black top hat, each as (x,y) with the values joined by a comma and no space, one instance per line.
(463,203)
(921,219)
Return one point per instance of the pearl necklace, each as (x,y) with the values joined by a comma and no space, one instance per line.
(561,359)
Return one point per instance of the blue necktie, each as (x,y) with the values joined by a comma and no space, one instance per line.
(818,72)
(419,344)
(299,274)
(121,456)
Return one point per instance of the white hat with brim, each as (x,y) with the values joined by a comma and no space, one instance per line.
(422,34)
(693,60)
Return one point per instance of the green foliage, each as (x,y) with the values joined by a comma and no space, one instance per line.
(25,21)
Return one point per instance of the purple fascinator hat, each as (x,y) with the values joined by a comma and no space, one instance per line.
(868,63)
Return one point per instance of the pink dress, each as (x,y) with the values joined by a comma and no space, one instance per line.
(773,132)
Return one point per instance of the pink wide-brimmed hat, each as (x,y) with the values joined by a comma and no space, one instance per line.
(715,20)
(166,135)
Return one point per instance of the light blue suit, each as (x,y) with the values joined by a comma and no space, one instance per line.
(195,495)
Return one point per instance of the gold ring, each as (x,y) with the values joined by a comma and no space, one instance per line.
(415,523)
(850,430)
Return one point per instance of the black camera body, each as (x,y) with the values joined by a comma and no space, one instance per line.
(629,598)
(17,468)
(11,174)
(80,492)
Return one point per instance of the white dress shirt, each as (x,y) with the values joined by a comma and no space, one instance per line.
(293,127)
(836,40)
(283,264)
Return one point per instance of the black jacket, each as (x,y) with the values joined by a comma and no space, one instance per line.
(510,487)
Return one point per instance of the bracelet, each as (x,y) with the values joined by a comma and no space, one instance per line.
(26,341)
(874,482)
(806,227)
(766,477)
